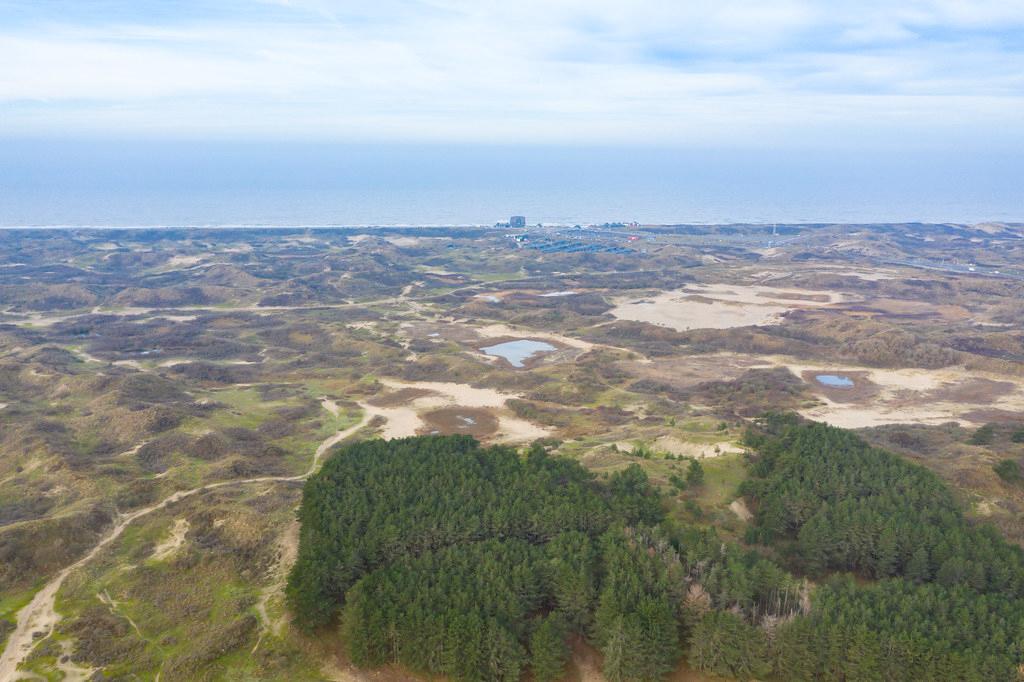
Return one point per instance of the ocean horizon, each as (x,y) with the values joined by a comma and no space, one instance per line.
(194,184)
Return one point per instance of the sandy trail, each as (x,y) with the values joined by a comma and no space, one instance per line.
(330,405)
(288,550)
(40,616)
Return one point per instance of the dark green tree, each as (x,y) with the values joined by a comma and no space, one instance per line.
(548,650)
(1009,471)
(694,474)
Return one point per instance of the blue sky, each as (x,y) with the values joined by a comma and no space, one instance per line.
(744,73)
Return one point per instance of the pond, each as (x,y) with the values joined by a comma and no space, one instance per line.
(519,351)
(834,380)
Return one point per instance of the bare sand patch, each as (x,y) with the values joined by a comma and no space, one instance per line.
(174,541)
(915,396)
(721,306)
(183,261)
(72,672)
(740,509)
(399,422)
(503,330)
(403,241)
(287,551)
(408,419)
(683,448)
(685,312)
(860,417)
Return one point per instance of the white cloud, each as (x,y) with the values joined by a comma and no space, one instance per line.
(587,70)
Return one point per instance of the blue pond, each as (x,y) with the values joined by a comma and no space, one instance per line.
(835,380)
(518,352)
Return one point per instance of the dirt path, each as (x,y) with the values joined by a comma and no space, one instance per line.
(113,605)
(330,405)
(288,550)
(39,616)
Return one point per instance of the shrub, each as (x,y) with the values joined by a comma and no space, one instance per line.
(1009,471)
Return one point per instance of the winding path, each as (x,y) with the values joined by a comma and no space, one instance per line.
(39,615)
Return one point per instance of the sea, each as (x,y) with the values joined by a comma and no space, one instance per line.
(139,183)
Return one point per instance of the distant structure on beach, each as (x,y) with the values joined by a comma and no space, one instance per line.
(514,221)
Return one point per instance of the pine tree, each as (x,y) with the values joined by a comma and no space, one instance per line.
(548,650)
(887,554)
(694,474)
(617,664)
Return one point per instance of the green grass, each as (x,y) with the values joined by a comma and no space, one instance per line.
(496,276)
(13,602)
(722,478)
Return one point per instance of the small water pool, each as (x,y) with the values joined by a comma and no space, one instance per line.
(834,380)
(519,351)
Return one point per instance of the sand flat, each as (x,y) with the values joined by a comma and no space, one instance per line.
(721,306)
(912,395)
(407,420)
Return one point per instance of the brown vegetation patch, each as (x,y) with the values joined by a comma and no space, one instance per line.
(40,548)
(682,373)
(978,391)
(795,296)
(916,309)
(476,422)
(402,396)
(994,416)
(755,392)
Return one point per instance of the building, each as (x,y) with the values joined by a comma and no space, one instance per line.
(517,221)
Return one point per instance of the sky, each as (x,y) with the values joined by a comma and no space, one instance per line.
(779,74)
